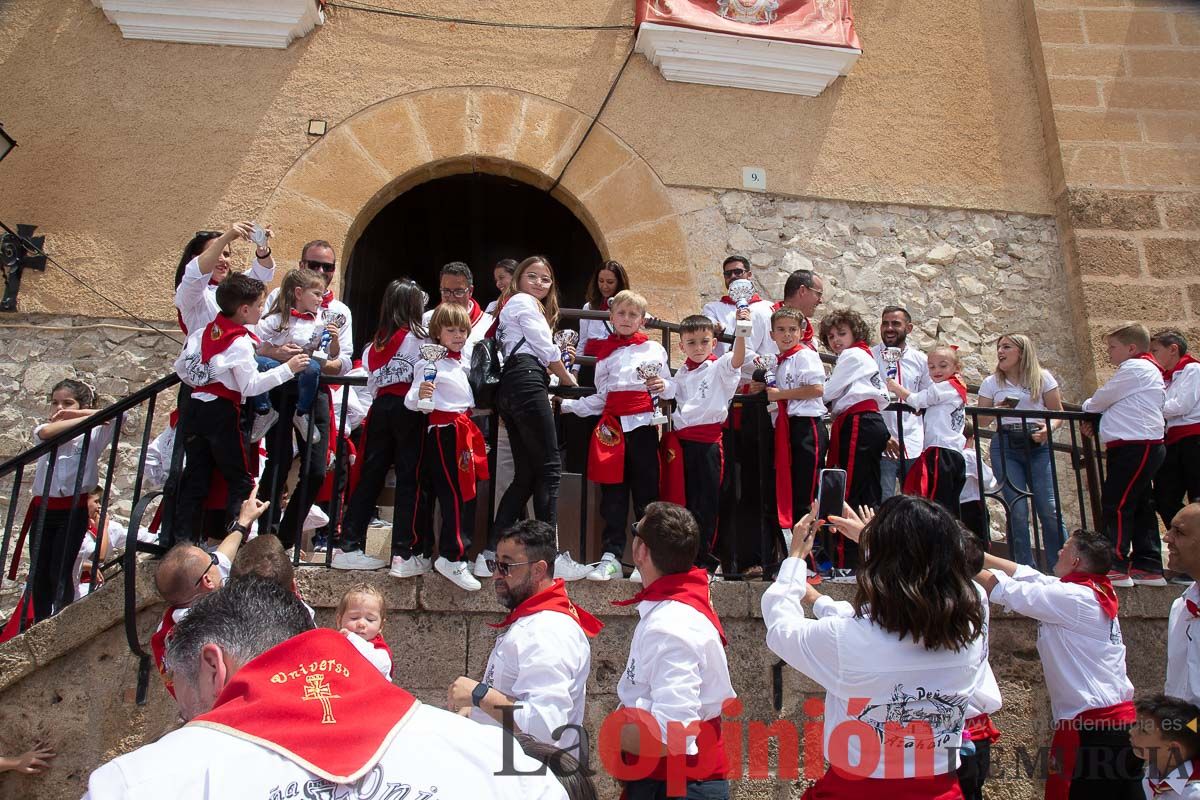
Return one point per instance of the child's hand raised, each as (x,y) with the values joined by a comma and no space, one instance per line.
(743,313)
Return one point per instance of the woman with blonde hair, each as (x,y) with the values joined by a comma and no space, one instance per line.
(1021,451)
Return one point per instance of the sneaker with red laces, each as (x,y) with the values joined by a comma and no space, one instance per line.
(1121,579)
(1141,577)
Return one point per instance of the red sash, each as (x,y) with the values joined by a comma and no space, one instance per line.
(474,312)
(603,348)
(922,479)
(218,336)
(1149,357)
(689,588)
(1065,745)
(379,644)
(470,449)
(783,454)
(981,729)
(1101,586)
(378,355)
(158,646)
(52,504)
(13,627)
(838,785)
(708,434)
(606,453)
(317,703)
(834,459)
(1180,432)
(553,598)
(671,485)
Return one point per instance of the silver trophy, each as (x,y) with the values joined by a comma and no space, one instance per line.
(740,292)
(891,357)
(432,353)
(258,235)
(766,364)
(565,339)
(645,371)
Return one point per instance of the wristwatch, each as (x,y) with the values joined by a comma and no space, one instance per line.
(237,527)
(478,693)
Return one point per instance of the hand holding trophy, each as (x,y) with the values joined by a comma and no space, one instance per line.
(432,353)
(740,292)
(564,339)
(764,369)
(646,371)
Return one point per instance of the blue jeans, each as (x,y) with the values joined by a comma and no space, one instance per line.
(889,474)
(1018,471)
(306,384)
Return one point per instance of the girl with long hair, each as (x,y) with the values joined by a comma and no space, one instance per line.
(608,280)
(1021,451)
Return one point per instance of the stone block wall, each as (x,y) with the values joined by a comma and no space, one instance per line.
(1120,100)
(71,679)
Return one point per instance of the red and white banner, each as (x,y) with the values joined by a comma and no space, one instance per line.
(823,22)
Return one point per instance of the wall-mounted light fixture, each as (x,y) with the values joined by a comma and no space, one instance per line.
(6,142)
(316,127)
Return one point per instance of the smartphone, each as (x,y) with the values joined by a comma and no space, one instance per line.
(1010,402)
(831,496)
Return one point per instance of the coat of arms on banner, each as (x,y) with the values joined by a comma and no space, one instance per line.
(755,12)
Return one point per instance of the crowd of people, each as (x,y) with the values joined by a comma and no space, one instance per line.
(259,685)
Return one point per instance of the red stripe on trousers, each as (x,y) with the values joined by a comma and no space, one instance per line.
(1125,496)
(849,483)
(414,540)
(933,457)
(453,491)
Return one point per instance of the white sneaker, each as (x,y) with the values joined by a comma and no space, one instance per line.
(356,559)
(301,423)
(569,569)
(606,570)
(410,567)
(262,424)
(458,573)
(481,568)
(635,576)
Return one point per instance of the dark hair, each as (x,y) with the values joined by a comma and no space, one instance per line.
(799,279)
(671,533)
(193,248)
(1175,720)
(745,262)
(914,580)
(265,557)
(238,290)
(787,313)
(1171,337)
(594,298)
(538,538)
(460,269)
(509,265)
(573,776)
(314,243)
(694,323)
(83,393)
(972,550)
(402,306)
(851,319)
(245,618)
(896,310)
(1095,551)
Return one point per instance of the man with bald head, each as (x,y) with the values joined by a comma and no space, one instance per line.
(1183,629)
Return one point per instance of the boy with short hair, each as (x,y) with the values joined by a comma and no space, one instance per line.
(1179,476)
(1131,430)
(1165,738)
(218,363)
(691,458)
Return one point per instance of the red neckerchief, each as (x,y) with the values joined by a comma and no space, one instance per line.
(689,588)
(379,644)
(1191,607)
(303,314)
(866,348)
(552,599)
(453,355)
(212,281)
(808,338)
(957,382)
(491,332)
(783,451)
(695,365)
(315,701)
(377,355)
(607,303)
(727,300)
(776,306)
(327,298)
(219,334)
(603,348)
(475,312)
(1101,586)
(1169,374)
(158,646)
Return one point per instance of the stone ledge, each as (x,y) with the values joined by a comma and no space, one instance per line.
(249,23)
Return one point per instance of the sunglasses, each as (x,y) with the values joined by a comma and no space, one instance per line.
(320,266)
(633,528)
(212,563)
(734,273)
(504,569)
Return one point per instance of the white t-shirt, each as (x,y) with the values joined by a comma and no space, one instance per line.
(993,390)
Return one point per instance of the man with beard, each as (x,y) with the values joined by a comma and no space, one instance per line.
(909,367)
(536,676)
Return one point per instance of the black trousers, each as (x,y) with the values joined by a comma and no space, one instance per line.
(212,438)
(1128,505)
(1178,479)
(863,439)
(947,474)
(1106,768)
(281,452)
(745,509)
(53,583)
(641,481)
(525,408)
(972,515)
(809,442)
(393,439)
(169,532)
(702,462)
(973,771)
(439,464)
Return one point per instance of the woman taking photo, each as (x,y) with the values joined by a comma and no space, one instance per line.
(899,673)
(1021,453)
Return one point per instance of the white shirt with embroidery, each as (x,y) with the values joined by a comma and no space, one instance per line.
(451,389)
(400,369)
(338,313)
(802,368)
(702,394)
(855,379)
(619,373)
(945,412)
(234,367)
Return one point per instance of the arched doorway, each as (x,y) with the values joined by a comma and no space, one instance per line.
(477,218)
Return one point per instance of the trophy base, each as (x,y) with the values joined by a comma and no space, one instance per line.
(425,404)
(321,355)
(743,329)
(658,419)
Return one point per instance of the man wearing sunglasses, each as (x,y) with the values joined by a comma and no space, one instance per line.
(536,676)
(456,285)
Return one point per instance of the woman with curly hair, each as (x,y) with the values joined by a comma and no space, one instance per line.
(858,435)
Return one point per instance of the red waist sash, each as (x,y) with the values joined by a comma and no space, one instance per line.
(52,504)
(1180,432)
(1129,442)
(835,430)
(981,729)
(1065,745)
(469,447)
(838,785)
(397,389)
(220,390)
(606,452)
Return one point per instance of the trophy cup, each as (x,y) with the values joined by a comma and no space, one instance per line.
(740,292)
(258,235)
(764,369)
(647,370)
(432,353)
(565,339)
(891,357)
(321,354)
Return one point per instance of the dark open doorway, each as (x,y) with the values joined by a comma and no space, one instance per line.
(476,218)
